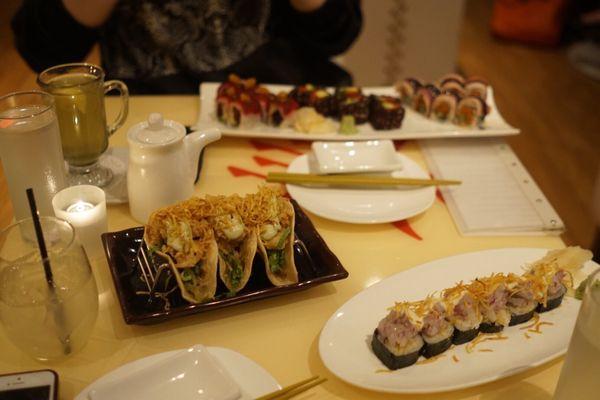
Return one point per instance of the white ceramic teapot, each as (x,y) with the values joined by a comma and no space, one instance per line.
(162,163)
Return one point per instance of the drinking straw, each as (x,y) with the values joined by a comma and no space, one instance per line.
(58,311)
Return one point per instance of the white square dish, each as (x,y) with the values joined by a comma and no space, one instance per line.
(348,157)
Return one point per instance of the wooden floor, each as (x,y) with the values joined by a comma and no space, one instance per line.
(536,89)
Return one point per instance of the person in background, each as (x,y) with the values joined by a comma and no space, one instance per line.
(170,46)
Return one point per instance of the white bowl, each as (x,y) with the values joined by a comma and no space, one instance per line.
(347,157)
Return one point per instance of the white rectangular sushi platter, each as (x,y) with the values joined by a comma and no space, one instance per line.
(414,125)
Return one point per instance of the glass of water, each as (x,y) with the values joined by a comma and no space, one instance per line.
(48,322)
(579,375)
(30,150)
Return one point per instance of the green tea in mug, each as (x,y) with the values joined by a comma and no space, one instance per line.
(78,91)
(79,100)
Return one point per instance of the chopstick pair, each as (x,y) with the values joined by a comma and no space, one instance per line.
(349,180)
(294,389)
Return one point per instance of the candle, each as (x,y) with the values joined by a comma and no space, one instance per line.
(84,206)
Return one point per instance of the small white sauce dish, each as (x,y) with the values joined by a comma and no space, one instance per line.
(354,157)
(190,374)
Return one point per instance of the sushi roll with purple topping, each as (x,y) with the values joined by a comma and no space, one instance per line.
(521,300)
(470,111)
(476,87)
(493,296)
(463,312)
(424,98)
(437,331)
(407,89)
(551,282)
(385,112)
(444,106)
(396,341)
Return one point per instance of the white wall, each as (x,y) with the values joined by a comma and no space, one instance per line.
(405,38)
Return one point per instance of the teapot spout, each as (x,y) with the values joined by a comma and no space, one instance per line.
(194,143)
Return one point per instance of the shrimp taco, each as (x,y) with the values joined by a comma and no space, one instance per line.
(189,244)
(236,241)
(274,218)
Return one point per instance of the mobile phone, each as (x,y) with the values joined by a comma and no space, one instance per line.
(31,385)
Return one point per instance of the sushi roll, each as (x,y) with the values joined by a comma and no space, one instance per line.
(437,331)
(223,105)
(521,300)
(493,296)
(356,106)
(281,108)
(463,312)
(245,112)
(301,94)
(262,95)
(343,94)
(443,107)
(453,85)
(396,340)
(407,89)
(322,102)
(476,87)
(385,112)
(470,111)
(452,77)
(424,98)
(555,293)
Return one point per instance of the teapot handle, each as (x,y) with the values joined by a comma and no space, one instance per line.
(195,143)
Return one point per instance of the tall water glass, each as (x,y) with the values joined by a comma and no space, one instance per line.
(48,323)
(78,90)
(30,150)
(579,377)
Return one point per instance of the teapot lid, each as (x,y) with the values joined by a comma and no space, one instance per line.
(156,131)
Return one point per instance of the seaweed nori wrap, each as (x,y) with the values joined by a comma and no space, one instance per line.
(521,301)
(385,112)
(437,331)
(396,341)
(463,312)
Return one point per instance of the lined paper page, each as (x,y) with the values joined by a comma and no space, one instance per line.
(497,196)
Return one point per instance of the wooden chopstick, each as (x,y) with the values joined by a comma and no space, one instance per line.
(294,389)
(354,180)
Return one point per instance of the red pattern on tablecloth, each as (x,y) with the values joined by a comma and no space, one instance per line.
(263,162)
(399,144)
(240,172)
(405,227)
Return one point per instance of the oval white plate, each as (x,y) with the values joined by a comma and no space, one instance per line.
(253,379)
(344,342)
(364,206)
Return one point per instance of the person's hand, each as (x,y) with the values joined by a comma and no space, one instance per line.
(307,5)
(91,13)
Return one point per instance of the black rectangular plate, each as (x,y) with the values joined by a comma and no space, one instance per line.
(316,264)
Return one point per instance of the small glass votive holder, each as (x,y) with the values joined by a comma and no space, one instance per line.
(84,207)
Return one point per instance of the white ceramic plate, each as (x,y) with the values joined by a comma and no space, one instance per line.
(414,125)
(364,206)
(253,380)
(344,342)
(347,157)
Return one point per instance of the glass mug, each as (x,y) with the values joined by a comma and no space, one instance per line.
(78,91)
(30,150)
(44,323)
(579,374)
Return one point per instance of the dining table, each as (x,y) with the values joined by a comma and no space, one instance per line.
(279,333)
